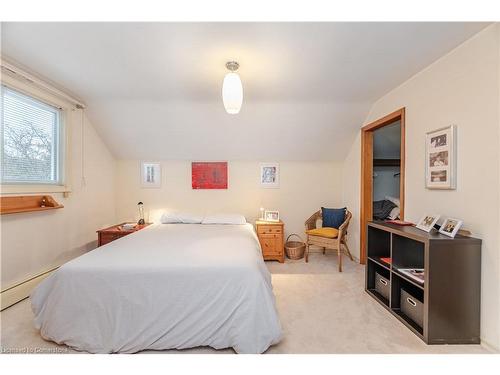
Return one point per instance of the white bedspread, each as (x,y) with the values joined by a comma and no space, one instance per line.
(166,286)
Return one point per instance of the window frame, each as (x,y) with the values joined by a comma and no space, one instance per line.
(63,184)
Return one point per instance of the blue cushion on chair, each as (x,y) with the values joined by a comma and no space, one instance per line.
(333,217)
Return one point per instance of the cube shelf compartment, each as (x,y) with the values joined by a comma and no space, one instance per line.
(450,294)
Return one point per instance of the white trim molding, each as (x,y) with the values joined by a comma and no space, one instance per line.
(22,290)
(22,75)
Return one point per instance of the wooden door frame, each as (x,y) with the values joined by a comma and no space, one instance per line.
(366,209)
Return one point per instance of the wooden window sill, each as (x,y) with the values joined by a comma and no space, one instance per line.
(27,203)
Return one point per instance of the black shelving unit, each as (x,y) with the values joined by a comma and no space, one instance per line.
(451,292)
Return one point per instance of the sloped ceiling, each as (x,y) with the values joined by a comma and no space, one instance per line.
(153,90)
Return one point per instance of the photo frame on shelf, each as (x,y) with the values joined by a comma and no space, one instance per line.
(150,174)
(440,158)
(427,222)
(273,216)
(450,227)
(270,175)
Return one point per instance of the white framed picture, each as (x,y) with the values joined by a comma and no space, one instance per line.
(270,175)
(427,222)
(440,158)
(272,216)
(450,227)
(150,174)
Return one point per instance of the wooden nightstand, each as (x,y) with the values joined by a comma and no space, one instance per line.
(110,234)
(271,239)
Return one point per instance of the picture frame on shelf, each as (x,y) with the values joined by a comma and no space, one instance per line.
(450,227)
(427,222)
(440,158)
(272,216)
(270,175)
(150,174)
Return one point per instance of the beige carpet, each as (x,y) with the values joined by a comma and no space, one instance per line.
(321,311)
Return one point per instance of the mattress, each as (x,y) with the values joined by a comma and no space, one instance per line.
(168,286)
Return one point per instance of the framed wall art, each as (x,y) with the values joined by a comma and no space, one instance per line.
(440,158)
(209,175)
(270,175)
(150,174)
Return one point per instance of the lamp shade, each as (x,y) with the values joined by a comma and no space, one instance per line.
(232,93)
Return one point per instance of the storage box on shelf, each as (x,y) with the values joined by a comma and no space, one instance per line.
(444,309)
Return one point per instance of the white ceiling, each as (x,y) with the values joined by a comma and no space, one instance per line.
(153,89)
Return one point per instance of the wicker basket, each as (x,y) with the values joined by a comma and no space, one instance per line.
(295,249)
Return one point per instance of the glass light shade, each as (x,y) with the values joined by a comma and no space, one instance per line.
(232,93)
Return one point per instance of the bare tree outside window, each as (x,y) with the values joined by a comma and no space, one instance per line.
(30,133)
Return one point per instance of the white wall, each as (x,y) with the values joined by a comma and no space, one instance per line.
(37,241)
(304,188)
(461,88)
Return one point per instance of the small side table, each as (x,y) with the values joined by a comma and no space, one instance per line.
(115,232)
(270,236)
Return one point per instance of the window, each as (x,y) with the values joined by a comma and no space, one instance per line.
(31,140)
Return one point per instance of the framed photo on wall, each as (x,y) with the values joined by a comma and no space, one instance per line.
(270,175)
(150,174)
(440,158)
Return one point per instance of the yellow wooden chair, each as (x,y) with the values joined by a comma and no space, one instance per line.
(328,238)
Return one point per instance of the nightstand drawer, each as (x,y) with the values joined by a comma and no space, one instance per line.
(269,229)
(105,238)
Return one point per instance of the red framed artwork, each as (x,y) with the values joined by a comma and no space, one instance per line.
(209,175)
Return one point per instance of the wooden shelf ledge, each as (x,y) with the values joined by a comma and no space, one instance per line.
(27,203)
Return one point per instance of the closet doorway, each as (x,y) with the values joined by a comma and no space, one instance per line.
(383,159)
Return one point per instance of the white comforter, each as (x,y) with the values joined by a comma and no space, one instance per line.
(166,286)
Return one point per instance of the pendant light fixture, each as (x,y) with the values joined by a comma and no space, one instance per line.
(232,90)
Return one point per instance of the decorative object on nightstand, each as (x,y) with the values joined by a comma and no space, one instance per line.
(115,232)
(270,236)
(261,214)
(272,216)
(329,237)
(141,213)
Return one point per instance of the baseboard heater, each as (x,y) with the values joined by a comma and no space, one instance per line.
(22,290)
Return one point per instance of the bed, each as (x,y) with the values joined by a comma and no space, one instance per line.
(168,286)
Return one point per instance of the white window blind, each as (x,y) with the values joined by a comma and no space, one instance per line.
(31,134)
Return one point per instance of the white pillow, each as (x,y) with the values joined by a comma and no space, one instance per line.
(181,218)
(393,200)
(190,218)
(170,218)
(224,219)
